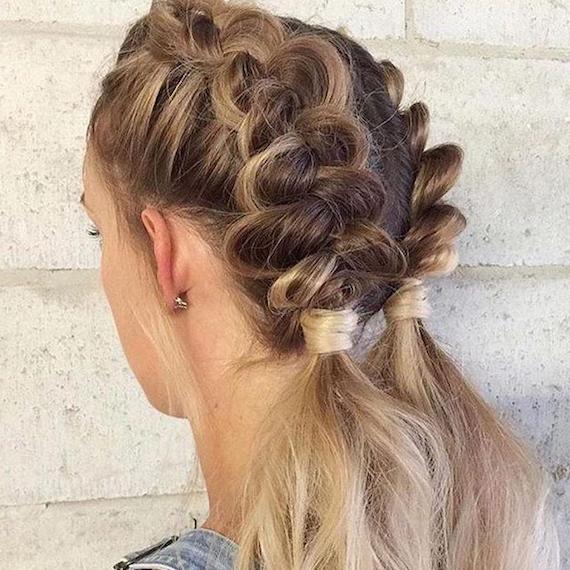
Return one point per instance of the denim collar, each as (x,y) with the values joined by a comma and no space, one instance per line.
(197,549)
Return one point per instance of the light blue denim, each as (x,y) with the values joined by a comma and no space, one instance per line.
(197,549)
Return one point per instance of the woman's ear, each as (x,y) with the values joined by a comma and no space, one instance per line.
(160,234)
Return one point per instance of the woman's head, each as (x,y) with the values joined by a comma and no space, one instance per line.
(279,143)
(263,168)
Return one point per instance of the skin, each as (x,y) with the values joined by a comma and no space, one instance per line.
(213,332)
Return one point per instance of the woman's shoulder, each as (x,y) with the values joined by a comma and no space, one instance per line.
(196,549)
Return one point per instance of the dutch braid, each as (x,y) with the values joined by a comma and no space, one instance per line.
(285,143)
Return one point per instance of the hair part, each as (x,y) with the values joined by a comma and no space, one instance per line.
(286,145)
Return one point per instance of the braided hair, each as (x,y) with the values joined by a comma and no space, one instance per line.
(286,142)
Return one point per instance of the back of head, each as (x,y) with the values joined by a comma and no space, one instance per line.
(288,144)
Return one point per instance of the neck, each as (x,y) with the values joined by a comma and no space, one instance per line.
(231,405)
(225,437)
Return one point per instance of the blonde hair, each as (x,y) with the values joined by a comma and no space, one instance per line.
(287,147)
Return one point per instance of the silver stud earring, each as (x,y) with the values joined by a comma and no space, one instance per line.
(180,303)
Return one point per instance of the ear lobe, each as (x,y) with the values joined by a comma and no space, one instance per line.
(159,233)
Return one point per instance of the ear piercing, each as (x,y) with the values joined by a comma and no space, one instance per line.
(180,303)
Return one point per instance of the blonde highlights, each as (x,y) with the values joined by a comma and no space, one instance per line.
(286,146)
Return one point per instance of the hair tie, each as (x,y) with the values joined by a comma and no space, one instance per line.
(328,330)
(409,301)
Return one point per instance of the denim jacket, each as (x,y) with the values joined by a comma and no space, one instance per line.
(197,549)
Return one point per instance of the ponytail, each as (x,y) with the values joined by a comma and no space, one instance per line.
(397,462)
(495,514)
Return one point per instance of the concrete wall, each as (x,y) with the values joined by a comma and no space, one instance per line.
(89,471)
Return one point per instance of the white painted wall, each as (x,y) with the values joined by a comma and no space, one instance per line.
(88,470)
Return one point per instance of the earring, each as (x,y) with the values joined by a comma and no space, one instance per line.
(180,303)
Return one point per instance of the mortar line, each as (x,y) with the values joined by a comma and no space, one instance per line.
(559,472)
(66,502)
(419,46)
(411,44)
(24,27)
(410,27)
(88,277)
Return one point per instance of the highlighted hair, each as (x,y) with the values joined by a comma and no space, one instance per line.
(287,147)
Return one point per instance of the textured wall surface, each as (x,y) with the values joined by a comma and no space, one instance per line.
(89,471)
